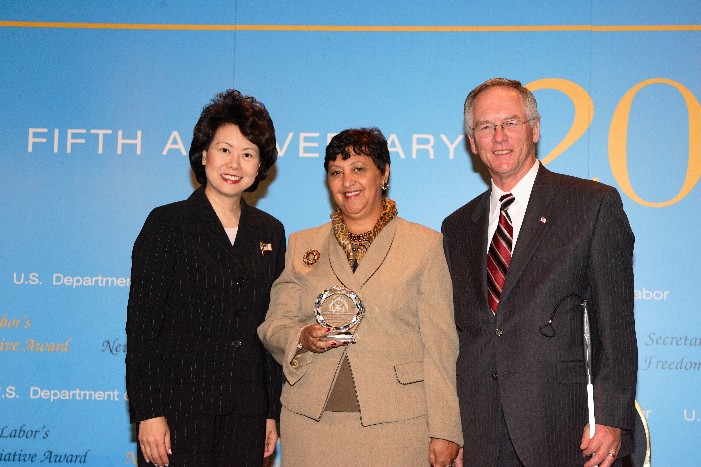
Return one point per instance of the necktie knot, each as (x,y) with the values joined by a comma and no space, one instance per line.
(506,201)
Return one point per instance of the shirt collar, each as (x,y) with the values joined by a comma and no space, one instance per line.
(521,192)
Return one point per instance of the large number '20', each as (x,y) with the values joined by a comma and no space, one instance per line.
(618,132)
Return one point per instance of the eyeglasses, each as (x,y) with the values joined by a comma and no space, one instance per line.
(509,127)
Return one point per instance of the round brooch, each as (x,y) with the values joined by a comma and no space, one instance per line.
(311,257)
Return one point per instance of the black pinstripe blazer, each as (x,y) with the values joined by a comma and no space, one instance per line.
(575,238)
(194,306)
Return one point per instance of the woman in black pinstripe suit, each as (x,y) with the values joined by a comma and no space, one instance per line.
(201,387)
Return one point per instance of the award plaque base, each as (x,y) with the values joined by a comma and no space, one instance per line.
(339,337)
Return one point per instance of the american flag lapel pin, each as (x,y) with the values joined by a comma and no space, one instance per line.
(265,247)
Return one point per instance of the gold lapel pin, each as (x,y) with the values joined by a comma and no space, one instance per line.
(311,257)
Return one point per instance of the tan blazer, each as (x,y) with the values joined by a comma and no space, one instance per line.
(403,363)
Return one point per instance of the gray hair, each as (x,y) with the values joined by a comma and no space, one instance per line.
(528,97)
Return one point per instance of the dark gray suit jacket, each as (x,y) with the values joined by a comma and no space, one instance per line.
(194,306)
(575,238)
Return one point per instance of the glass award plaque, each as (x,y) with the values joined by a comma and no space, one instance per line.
(340,309)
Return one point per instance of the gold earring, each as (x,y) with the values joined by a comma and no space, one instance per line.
(204,157)
(385,184)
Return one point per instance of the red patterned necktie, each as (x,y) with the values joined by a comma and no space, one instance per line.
(499,255)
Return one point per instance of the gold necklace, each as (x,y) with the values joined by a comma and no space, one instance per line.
(360,238)
(354,245)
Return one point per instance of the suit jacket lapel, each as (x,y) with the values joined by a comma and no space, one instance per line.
(377,253)
(201,212)
(339,263)
(371,262)
(249,236)
(538,218)
(476,242)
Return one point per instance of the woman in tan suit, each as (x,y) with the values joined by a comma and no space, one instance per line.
(389,398)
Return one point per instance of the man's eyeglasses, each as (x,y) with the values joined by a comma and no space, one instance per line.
(510,127)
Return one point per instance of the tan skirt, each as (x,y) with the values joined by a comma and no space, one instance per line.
(339,440)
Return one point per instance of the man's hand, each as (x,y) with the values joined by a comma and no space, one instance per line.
(602,447)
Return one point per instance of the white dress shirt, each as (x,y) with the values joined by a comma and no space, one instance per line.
(517,210)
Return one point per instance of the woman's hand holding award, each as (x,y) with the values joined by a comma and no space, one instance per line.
(340,309)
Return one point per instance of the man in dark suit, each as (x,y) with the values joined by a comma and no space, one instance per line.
(558,240)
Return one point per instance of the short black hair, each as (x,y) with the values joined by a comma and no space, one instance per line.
(362,141)
(252,119)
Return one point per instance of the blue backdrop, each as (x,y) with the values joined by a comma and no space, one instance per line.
(98,104)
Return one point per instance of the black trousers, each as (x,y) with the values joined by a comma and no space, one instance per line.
(507,453)
(199,440)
